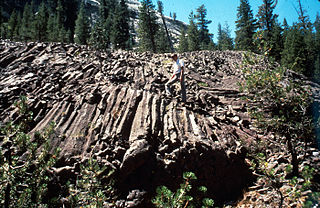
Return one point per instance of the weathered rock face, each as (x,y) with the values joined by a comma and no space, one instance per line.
(112,106)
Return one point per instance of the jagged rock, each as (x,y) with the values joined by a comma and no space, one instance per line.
(112,105)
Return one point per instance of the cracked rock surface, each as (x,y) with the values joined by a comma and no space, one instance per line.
(112,106)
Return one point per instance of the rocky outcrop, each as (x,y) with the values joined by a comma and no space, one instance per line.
(112,106)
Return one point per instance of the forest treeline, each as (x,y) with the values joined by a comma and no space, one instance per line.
(295,46)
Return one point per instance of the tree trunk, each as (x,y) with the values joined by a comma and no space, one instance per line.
(294,158)
(167,32)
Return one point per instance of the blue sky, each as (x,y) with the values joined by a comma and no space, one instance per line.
(222,11)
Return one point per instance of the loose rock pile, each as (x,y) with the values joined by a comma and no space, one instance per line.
(112,106)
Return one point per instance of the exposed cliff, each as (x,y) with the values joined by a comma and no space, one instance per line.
(112,106)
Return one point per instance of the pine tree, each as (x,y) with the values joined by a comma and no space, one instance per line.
(276,41)
(212,46)
(183,42)
(120,34)
(193,34)
(307,29)
(59,23)
(52,5)
(12,25)
(225,41)
(82,27)
(16,33)
(101,32)
(162,43)
(202,23)
(1,21)
(147,27)
(160,10)
(294,52)
(55,27)
(40,23)
(285,28)
(26,27)
(71,14)
(245,27)
(52,33)
(97,36)
(266,20)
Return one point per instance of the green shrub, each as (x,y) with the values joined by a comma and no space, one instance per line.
(278,104)
(23,169)
(89,190)
(313,200)
(165,198)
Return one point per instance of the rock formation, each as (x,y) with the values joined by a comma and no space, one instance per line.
(112,106)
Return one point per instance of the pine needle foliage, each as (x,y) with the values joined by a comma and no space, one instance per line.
(180,199)
(279,105)
(89,189)
(120,32)
(23,168)
(147,27)
(82,27)
(245,27)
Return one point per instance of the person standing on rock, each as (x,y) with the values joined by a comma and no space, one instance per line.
(178,74)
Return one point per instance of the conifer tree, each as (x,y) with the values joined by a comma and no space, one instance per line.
(276,41)
(16,33)
(317,48)
(245,27)
(40,23)
(193,34)
(120,34)
(212,46)
(183,42)
(202,23)
(59,23)
(1,20)
(266,20)
(96,35)
(26,23)
(162,43)
(294,52)
(285,28)
(55,24)
(82,27)
(225,41)
(147,27)
(132,32)
(71,15)
(12,25)
(307,30)
(160,10)
(51,5)
(52,33)
(101,32)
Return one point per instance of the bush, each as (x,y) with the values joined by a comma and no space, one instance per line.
(89,189)
(279,105)
(23,169)
(166,198)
